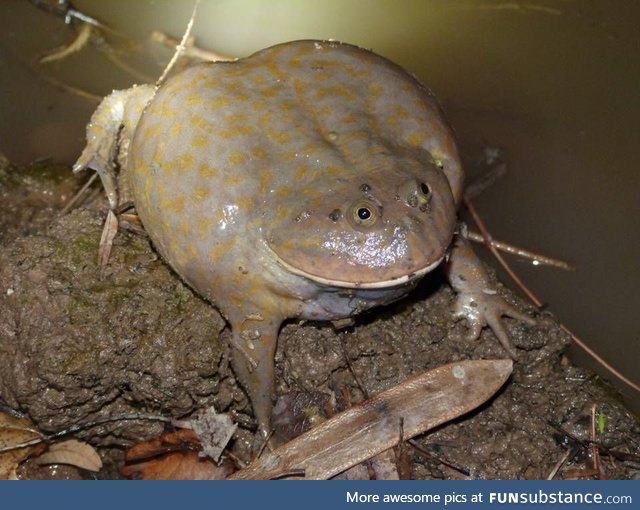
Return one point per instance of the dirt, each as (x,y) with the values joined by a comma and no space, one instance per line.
(79,344)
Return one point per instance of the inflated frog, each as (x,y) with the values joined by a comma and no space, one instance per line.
(312,179)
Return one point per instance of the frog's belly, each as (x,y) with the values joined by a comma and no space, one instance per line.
(330,303)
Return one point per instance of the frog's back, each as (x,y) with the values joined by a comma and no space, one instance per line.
(234,147)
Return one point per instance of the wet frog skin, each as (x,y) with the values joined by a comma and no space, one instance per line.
(310,180)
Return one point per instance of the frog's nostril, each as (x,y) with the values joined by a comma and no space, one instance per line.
(335,215)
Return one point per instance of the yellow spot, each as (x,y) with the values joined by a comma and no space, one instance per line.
(194,100)
(416,139)
(237,158)
(198,121)
(200,142)
(266,180)
(185,161)
(236,118)
(204,227)
(270,92)
(375,91)
(219,102)
(333,91)
(279,136)
(259,153)
(232,180)
(176,205)
(152,131)
(201,193)
(166,112)
(227,133)
(206,171)
(301,172)
(176,129)
(265,119)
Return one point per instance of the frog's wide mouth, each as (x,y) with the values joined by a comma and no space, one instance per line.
(382,284)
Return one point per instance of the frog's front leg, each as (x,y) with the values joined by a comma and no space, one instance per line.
(108,133)
(478,300)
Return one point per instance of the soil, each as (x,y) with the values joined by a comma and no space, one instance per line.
(79,344)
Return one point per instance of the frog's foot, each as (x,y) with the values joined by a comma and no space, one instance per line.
(253,351)
(478,301)
(110,129)
(102,143)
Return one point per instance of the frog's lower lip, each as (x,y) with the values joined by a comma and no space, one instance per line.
(393,282)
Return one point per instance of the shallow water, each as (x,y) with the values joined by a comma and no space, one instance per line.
(553,83)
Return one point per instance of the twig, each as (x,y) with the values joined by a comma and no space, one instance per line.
(83,426)
(92,98)
(580,343)
(569,453)
(190,50)
(489,243)
(181,47)
(77,196)
(81,40)
(430,455)
(350,366)
(536,258)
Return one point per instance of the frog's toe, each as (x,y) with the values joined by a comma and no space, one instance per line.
(488,310)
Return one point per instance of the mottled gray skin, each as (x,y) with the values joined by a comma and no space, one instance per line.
(312,179)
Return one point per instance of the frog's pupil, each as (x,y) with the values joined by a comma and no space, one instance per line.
(424,188)
(364,213)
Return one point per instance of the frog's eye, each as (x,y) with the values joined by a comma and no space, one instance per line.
(364,214)
(425,189)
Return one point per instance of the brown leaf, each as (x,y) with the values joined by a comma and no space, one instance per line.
(109,231)
(178,466)
(72,452)
(15,431)
(179,440)
(419,404)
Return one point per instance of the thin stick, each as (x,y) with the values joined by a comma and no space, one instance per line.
(181,47)
(191,50)
(82,426)
(489,243)
(560,463)
(77,196)
(81,40)
(536,258)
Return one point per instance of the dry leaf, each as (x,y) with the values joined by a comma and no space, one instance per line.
(179,440)
(15,431)
(173,456)
(178,466)
(359,433)
(109,231)
(214,431)
(72,452)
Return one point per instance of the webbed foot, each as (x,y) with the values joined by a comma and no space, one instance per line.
(478,301)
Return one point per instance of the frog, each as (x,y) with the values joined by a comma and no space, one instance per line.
(311,180)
